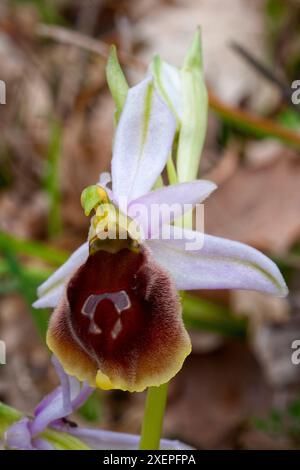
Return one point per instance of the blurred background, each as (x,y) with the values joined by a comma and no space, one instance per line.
(239,388)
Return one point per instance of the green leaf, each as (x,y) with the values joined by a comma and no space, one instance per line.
(26,287)
(8,416)
(276,10)
(63,441)
(209,316)
(294,409)
(290,119)
(52,183)
(276,421)
(9,285)
(117,82)
(194,118)
(47,10)
(91,410)
(33,248)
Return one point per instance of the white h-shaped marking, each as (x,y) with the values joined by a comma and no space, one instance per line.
(119,299)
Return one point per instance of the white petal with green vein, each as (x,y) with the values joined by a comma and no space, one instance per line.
(220,264)
(143,141)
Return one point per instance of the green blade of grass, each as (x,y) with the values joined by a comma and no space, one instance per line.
(48,12)
(8,416)
(206,315)
(37,274)
(33,248)
(26,286)
(91,410)
(52,183)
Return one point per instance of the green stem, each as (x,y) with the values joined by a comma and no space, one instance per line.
(33,248)
(171,170)
(52,183)
(153,417)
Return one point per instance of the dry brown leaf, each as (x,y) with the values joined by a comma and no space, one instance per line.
(224,168)
(259,307)
(214,394)
(259,153)
(258,206)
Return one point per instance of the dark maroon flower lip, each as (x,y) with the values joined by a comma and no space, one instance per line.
(119,324)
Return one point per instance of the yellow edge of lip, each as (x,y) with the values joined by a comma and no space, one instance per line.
(103,381)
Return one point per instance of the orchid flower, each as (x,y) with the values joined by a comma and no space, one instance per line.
(50,428)
(117,321)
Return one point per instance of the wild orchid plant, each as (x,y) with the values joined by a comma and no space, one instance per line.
(117,320)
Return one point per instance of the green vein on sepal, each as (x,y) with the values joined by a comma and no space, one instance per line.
(147,115)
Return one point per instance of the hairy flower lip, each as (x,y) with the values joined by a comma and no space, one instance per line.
(142,344)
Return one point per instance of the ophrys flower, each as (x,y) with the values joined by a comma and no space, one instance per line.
(117,319)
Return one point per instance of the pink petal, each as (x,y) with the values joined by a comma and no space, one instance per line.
(220,264)
(98,439)
(61,402)
(143,142)
(51,290)
(176,197)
